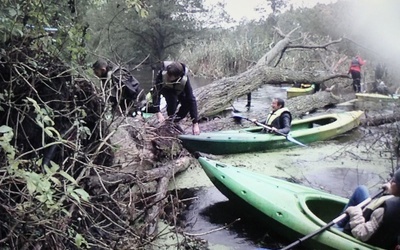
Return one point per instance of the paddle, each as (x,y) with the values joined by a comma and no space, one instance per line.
(287,136)
(327,226)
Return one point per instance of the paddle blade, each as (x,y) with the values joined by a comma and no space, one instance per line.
(290,138)
(237,118)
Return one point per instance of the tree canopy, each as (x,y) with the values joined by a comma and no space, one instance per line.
(119,32)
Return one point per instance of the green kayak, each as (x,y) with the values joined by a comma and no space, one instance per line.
(294,91)
(252,139)
(376,97)
(289,209)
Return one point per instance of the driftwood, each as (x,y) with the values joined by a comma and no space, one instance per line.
(118,177)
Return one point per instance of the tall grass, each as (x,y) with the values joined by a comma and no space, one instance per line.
(222,53)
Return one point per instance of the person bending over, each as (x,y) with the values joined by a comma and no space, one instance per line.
(172,81)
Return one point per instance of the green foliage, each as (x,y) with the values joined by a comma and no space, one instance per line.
(25,21)
(80,241)
(44,121)
(42,186)
(8,28)
(46,145)
(6,136)
(45,190)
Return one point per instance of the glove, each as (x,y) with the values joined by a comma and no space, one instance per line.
(353,211)
(356,217)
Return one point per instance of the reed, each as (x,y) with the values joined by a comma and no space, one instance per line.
(225,53)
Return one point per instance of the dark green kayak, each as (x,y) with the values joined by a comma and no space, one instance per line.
(307,130)
(290,209)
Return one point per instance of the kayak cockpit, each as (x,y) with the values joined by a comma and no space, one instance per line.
(313,123)
(322,209)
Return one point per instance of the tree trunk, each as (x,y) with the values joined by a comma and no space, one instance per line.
(216,97)
(379,119)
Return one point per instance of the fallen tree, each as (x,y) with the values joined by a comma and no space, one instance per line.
(219,95)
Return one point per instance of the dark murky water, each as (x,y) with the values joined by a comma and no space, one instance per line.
(223,224)
(209,214)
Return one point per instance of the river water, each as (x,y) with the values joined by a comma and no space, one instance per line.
(337,166)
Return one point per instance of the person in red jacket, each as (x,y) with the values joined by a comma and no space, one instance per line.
(355,71)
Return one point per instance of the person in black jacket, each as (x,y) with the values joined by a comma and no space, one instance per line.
(172,81)
(279,119)
(122,89)
(380,72)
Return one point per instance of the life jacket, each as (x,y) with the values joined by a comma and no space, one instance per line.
(388,232)
(179,85)
(273,119)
